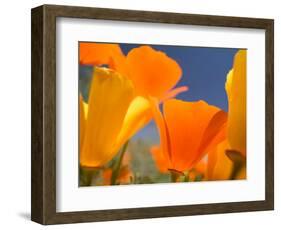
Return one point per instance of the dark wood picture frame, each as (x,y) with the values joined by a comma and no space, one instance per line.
(43,170)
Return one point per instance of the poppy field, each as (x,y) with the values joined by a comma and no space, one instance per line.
(161,114)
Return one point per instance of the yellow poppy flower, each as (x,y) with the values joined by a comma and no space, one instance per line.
(109,100)
(236,91)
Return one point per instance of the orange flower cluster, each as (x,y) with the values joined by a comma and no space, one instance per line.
(119,102)
(195,137)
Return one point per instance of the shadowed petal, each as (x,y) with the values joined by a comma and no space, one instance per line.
(214,133)
(83,106)
(219,165)
(236,91)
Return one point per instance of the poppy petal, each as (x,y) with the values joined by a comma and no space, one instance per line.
(102,54)
(219,165)
(152,72)
(214,133)
(138,115)
(83,106)
(174,92)
(105,116)
(187,123)
(159,159)
(162,130)
(236,91)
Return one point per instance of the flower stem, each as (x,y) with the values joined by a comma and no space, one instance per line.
(87,175)
(175,175)
(235,170)
(117,166)
(239,161)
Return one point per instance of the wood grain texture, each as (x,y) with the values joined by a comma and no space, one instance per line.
(43,188)
(37,115)
(269,116)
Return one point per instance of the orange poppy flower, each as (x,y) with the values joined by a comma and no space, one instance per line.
(118,103)
(188,130)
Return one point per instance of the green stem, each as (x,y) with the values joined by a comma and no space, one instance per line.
(236,169)
(175,175)
(186,177)
(87,175)
(117,166)
(239,161)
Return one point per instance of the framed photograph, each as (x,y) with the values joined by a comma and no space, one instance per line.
(140,114)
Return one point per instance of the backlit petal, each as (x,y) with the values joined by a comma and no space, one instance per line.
(173,93)
(138,115)
(109,99)
(162,130)
(152,72)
